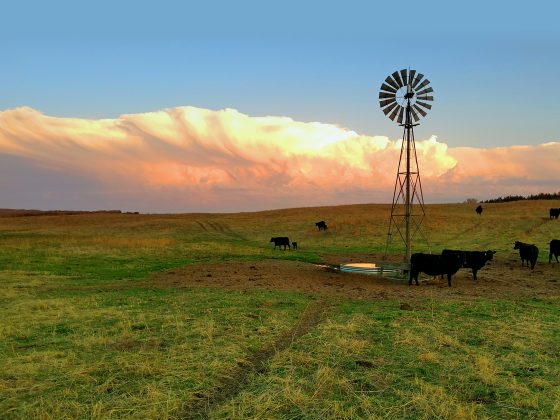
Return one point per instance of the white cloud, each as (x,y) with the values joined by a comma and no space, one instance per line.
(186,158)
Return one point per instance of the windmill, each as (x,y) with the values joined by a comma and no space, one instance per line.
(405,97)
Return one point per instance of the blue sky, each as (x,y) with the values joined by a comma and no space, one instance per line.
(211,106)
(493,65)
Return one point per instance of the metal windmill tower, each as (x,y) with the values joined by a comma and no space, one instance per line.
(404,97)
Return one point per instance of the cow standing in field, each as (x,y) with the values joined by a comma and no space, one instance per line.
(527,252)
(281,240)
(321,225)
(554,250)
(479,210)
(554,213)
(472,259)
(294,245)
(434,265)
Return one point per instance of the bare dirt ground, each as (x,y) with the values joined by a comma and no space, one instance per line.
(501,278)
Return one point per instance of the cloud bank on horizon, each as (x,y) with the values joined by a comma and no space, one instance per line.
(192,159)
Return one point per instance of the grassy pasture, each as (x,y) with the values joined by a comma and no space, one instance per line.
(83,334)
(440,360)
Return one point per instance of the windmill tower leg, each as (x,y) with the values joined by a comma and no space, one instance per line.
(408,202)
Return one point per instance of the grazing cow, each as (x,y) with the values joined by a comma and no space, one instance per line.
(527,252)
(434,265)
(294,245)
(472,259)
(479,210)
(554,249)
(554,213)
(321,225)
(281,240)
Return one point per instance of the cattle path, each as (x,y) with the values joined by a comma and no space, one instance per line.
(219,228)
(231,386)
(201,225)
(471,228)
(537,225)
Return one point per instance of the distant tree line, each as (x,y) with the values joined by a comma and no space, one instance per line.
(539,196)
(26,213)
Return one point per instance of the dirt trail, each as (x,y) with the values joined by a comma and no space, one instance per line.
(234,384)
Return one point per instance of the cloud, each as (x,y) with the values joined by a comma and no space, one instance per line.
(192,159)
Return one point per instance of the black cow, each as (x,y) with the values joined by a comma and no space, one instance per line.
(434,265)
(281,240)
(479,210)
(554,213)
(472,259)
(554,249)
(527,252)
(294,245)
(321,225)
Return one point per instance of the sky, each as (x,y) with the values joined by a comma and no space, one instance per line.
(216,106)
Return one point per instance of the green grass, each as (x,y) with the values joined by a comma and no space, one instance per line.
(130,351)
(441,360)
(81,336)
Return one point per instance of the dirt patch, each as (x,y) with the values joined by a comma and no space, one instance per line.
(501,278)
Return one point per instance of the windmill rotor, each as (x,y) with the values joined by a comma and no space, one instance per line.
(405,88)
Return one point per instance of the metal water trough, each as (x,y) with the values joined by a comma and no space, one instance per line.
(397,271)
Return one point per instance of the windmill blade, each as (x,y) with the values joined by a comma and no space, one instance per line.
(424,104)
(425,82)
(420,110)
(389,108)
(401,113)
(391,82)
(425,98)
(384,102)
(414,115)
(394,113)
(403,77)
(388,88)
(423,92)
(398,79)
(411,76)
(417,80)
(384,95)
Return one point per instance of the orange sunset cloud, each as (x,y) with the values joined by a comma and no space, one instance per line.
(192,159)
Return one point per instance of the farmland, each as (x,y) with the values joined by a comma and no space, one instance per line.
(196,315)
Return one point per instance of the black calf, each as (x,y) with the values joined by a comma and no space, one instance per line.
(527,252)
